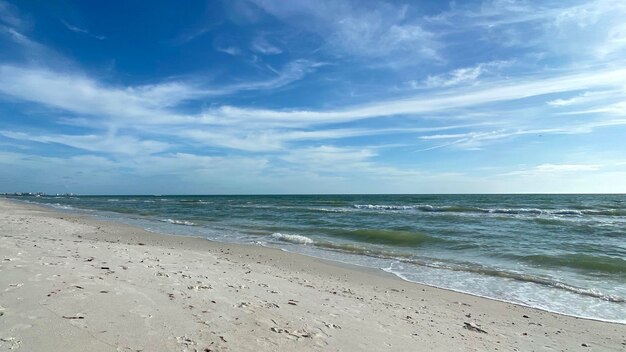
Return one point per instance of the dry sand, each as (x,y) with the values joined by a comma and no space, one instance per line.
(70,283)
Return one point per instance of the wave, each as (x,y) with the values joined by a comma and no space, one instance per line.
(297,239)
(61,206)
(198,201)
(514,211)
(331,210)
(586,262)
(178,222)
(388,237)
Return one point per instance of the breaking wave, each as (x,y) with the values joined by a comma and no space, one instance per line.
(519,211)
(297,239)
(178,222)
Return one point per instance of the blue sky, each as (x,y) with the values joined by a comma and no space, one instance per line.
(321,96)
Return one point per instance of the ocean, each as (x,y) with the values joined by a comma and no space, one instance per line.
(561,253)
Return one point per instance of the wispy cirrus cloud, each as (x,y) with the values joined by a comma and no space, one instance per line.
(10,15)
(81,94)
(80,30)
(111,143)
(554,169)
(359,30)
(262,45)
(555,26)
(461,76)
(494,92)
(265,130)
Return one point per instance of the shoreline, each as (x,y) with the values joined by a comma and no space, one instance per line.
(84,213)
(408,315)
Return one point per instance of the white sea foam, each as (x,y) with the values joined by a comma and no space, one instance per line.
(178,222)
(61,206)
(297,239)
(499,211)
(384,207)
(331,210)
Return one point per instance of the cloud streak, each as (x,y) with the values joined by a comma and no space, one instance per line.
(487,94)
(83,31)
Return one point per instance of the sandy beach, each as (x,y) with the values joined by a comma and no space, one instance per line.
(71,283)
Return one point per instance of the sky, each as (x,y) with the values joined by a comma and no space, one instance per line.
(323,96)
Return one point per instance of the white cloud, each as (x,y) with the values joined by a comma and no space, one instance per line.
(260,140)
(493,92)
(347,162)
(9,14)
(175,173)
(465,75)
(555,169)
(230,50)
(152,108)
(79,30)
(261,45)
(373,30)
(560,27)
(95,143)
(83,95)
(78,94)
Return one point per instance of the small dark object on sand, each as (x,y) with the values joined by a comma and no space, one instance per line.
(473,327)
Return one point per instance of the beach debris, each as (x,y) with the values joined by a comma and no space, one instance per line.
(468,315)
(105,268)
(473,327)
(184,340)
(199,287)
(299,334)
(331,325)
(15,343)
(292,302)
(525,316)
(79,287)
(73,317)
(585,345)
(276,330)
(54,292)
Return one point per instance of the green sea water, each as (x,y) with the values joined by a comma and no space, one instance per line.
(563,253)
